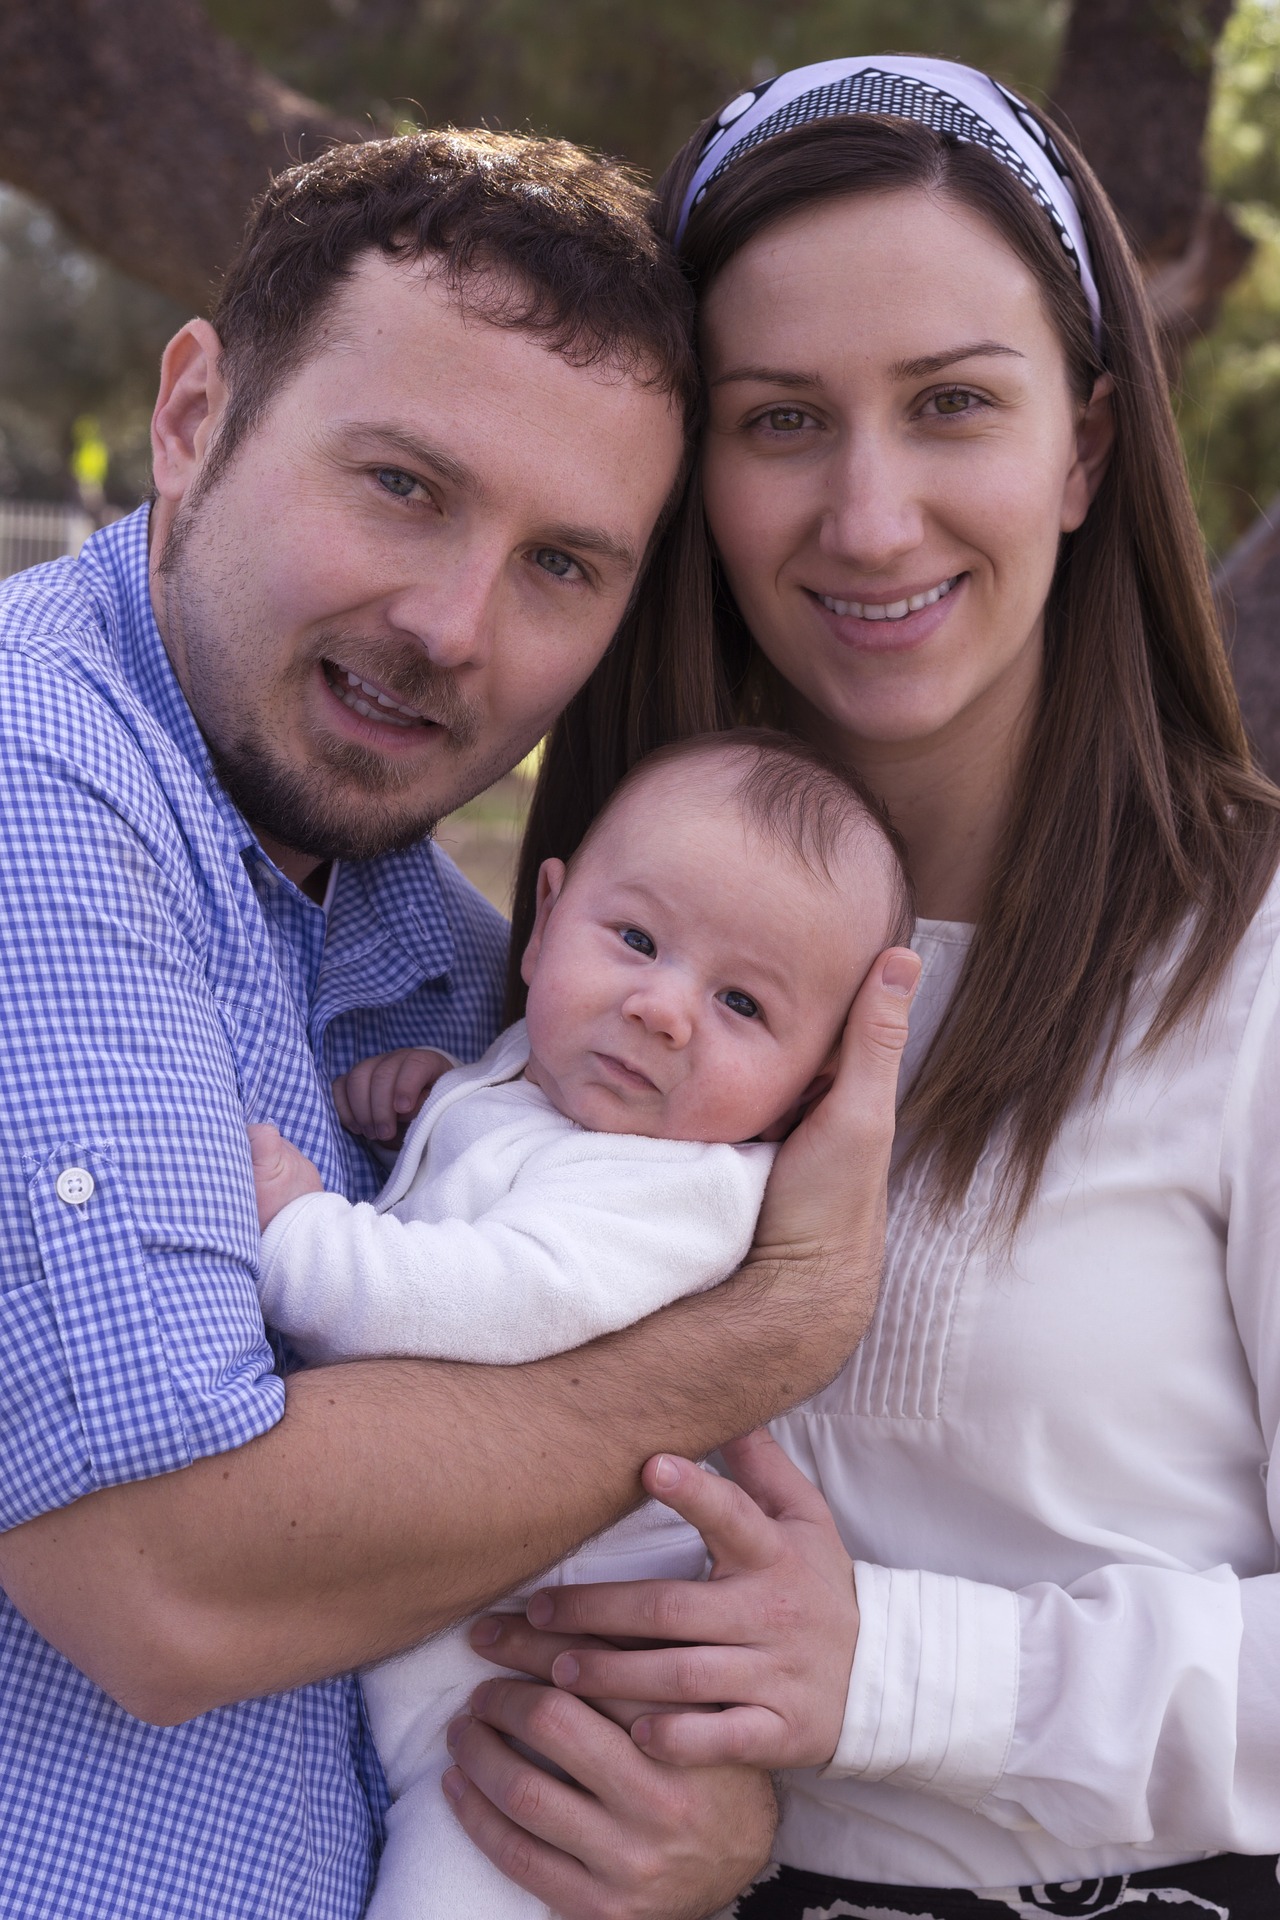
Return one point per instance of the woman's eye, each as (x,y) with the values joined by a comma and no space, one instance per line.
(741,1003)
(552,561)
(950,404)
(638,942)
(784,419)
(396,481)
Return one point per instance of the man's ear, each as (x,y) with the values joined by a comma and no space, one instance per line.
(1095,436)
(550,880)
(189,407)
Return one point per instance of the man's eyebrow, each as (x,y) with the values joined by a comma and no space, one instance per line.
(383,434)
(935,362)
(594,540)
(380,435)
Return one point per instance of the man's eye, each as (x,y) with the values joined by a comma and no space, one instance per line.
(741,1003)
(396,481)
(552,561)
(638,942)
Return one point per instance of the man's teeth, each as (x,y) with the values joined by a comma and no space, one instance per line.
(894,610)
(377,705)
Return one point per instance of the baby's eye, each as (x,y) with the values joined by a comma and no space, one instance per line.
(638,942)
(741,1003)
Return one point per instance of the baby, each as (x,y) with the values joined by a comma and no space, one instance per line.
(689,974)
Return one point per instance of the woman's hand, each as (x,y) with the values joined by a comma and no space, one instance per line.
(626,1838)
(769,1638)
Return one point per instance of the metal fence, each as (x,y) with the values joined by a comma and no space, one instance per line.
(32,531)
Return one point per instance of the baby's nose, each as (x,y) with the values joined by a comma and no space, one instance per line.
(664,1009)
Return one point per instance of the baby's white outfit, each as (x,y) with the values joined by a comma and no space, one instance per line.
(506,1232)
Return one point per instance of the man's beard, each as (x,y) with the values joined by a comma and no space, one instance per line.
(349,802)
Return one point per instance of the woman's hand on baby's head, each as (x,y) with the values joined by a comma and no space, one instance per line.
(281,1172)
(379,1096)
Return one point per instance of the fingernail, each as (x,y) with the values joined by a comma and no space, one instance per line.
(900,974)
(641,1730)
(565,1670)
(453,1783)
(486,1633)
(666,1473)
(455,1729)
(480,1698)
(539,1610)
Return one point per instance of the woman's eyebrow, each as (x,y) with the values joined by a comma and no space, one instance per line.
(768,377)
(934,362)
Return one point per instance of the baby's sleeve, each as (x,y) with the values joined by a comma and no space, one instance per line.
(596,1232)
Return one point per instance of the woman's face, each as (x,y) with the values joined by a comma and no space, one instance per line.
(893,454)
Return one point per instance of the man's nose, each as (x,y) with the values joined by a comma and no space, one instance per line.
(661,1005)
(873,510)
(451,608)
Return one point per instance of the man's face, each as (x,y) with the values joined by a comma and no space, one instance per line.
(409,566)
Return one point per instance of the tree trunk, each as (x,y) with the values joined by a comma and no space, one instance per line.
(146,132)
(1134,85)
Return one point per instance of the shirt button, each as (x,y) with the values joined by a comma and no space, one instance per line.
(74,1186)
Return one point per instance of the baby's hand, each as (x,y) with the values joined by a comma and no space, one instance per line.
(281,1172)
(381,1095)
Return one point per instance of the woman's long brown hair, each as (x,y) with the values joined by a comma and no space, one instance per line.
(1138,817)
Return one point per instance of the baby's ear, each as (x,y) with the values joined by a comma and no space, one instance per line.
(550,880)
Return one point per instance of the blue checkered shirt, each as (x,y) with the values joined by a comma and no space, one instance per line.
(160,984)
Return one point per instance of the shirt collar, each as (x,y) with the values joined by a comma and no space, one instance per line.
(117,561)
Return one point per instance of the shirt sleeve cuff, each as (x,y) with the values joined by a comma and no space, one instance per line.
(934,1684)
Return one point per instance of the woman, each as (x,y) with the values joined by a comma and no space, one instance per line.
(955,545)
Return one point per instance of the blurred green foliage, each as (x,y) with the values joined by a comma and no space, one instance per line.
(631,79)
(1230,400)
(78,342)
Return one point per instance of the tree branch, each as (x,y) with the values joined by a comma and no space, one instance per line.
(146,132)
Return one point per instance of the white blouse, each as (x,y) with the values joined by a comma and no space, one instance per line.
(1050,1465)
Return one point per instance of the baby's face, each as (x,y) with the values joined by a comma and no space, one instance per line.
(690,978)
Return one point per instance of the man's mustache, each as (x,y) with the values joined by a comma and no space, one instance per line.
(409,677)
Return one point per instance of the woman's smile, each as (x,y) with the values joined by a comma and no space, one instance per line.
(890,625)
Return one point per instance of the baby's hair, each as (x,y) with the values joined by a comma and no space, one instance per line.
(796,794)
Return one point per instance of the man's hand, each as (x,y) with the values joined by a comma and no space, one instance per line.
(627,1838)
(281,1172)
(769,1638)
(379,1096)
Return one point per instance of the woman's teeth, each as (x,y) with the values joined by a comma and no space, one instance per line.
(894,610)
(369,702)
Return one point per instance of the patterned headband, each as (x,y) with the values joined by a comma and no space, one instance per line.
(954,100)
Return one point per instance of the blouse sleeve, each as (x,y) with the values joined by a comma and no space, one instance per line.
(1139,1704)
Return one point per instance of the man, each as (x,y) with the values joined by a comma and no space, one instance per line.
(405,484)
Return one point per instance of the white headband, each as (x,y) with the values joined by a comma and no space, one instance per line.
(955,100)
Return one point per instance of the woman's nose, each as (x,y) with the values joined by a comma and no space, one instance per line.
(663,1009)
(873,512)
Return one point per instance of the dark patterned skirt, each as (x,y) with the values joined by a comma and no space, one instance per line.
(1230,1886)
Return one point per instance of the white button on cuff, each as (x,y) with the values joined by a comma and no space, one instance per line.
(74,1186)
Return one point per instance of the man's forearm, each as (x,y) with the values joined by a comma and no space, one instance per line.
(397,1496)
